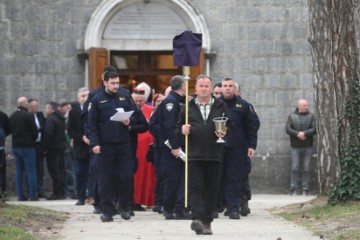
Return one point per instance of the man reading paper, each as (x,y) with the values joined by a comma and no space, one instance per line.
(110,142)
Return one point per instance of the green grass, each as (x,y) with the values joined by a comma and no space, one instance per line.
(11,233)
(20,222)
(334,222)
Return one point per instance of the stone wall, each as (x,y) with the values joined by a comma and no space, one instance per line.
(261,44)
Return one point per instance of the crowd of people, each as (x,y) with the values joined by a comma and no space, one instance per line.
(125,165)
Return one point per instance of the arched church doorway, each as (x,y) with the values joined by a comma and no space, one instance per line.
(136,36)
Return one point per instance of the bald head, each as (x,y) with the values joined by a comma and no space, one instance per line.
(302,105)
(22,102)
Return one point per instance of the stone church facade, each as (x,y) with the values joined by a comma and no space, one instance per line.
(49,49)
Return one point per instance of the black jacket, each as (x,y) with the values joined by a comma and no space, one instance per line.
(54,132)
(202,138)
(23,128)
(4,127)
(101,128)
(301,122)
(76,131)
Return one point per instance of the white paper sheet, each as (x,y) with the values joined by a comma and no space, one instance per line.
(121,115)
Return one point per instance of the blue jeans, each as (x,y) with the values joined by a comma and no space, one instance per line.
(82,174)
(2,171)
(25,160)
(39,168)
(298,155)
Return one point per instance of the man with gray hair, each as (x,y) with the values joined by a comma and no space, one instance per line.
(81,147)
(172,165)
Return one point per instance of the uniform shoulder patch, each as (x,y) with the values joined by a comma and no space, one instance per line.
(238,105)
(169,106)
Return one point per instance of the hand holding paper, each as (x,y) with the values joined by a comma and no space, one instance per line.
(121,115)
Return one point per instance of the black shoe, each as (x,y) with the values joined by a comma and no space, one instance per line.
(97,211)
(234,215)
(132,213)
(105,218)
(41,195)
(197,226)
(158,209)
(139,208)
(125,215)
(226,213)
(168,215)
(80,202)
(207,229)
(215,215)
(182,215)
(22,199)
(54,197)
(244,206)
(34,199)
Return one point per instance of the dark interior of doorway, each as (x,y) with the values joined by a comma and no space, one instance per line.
(153,67)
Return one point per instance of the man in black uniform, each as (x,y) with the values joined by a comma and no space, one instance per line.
(172,166)
(110,142)
(205,155)
(240,144)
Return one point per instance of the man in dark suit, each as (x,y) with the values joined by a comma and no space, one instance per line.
(81,145)
(4,131)
(54,144)
(40,123)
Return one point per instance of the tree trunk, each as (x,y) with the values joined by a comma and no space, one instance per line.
(333,47)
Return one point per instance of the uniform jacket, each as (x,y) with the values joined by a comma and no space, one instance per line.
(244,125)
(4,127)
(76,131)
(54,132)
(168,116)
(202,138)
(154,126)
(101,128)
(301,122)
(23,128)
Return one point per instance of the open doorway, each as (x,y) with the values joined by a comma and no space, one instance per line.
(153,67)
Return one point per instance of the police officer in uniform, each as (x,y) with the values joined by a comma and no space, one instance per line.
(240,143)
(172,166)
(110,142)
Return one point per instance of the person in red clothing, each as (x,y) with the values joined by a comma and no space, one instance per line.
(144,178)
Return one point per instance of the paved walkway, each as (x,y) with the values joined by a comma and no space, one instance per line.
(259,225)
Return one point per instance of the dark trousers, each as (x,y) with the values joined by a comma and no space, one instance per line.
(2,171)
(81,173)
(204,180)
(93,182)
(39,168)
(159,183)
(56,169)
(70,180)
(115,171)
(245,189)
(174,175)
(234,172)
